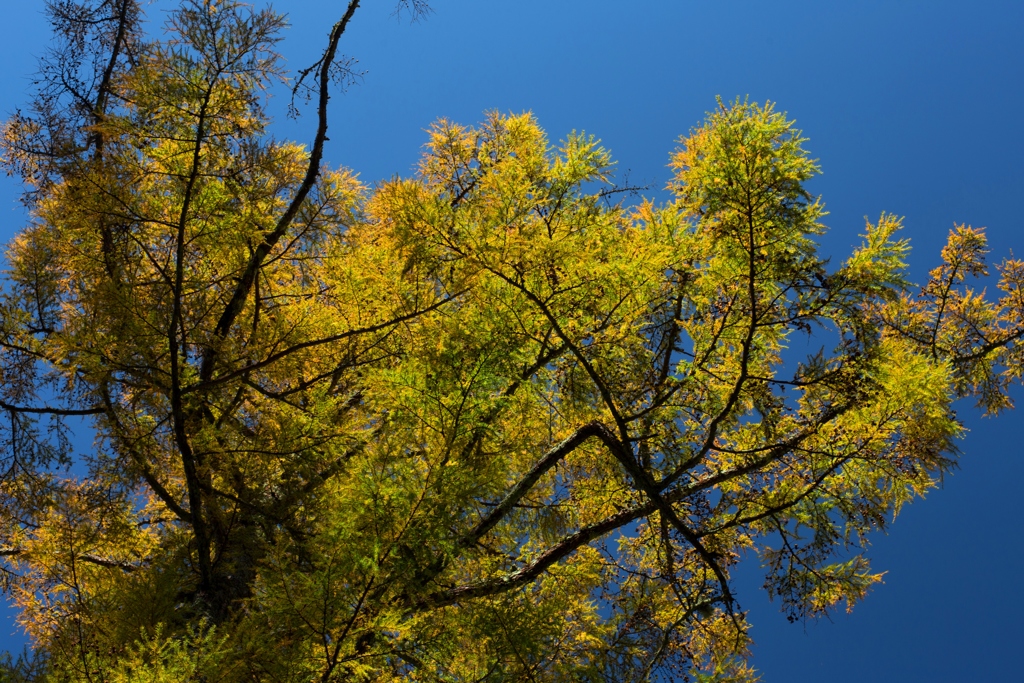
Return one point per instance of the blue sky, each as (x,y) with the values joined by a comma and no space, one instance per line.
(912,108)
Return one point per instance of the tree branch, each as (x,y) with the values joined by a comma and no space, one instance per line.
(550,459)
(248,277)
(66,412)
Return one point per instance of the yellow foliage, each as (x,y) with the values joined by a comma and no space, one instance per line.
(476,424)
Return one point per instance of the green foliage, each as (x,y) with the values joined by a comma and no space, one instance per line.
(478,424)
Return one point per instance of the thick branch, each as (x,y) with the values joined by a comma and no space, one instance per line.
(140,461)
(248,277)
(84,557)
(46,410)
(550,459)
(643,481)
(188,457)
(535,568)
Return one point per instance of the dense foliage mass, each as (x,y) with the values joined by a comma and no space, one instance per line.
(481,424)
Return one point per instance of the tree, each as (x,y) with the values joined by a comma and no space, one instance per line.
(484,423)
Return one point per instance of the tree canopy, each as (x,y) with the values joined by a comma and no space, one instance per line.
(484,423)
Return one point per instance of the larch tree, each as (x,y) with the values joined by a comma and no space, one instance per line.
(486,423)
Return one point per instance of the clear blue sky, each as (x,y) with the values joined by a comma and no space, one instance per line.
(911,107)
